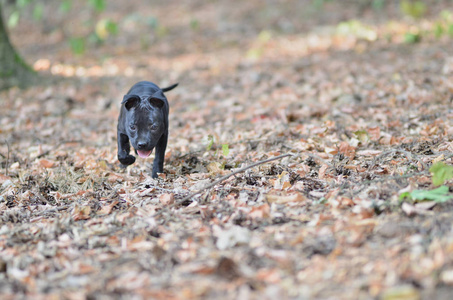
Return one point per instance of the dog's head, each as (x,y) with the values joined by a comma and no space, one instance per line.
(145,121)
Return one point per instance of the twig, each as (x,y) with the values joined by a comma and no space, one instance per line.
(222,179)
(56,147)
(394,151)
(315,156)
(312,155)
(396,177)
(233,173)
(54,209)
(7,158)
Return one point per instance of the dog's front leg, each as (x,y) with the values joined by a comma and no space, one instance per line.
(123,150)
(158,164)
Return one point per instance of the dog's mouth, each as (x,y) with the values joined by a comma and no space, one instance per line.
(144,154)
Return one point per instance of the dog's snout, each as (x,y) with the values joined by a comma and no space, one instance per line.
(141,145)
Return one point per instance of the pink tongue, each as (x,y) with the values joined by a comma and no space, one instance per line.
(144,154)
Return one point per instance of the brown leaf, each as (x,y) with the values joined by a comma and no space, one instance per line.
(375,133)
(4,178)
(261,211)
(81,213)
(167,199)
(322,171)
(227,268)
(46,163)
(107,209)
(347,150)
(282,199)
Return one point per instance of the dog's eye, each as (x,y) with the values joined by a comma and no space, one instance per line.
(133,127)
(153,127)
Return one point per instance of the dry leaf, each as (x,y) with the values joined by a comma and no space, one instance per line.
(81,213)
(107,209)
(46,163)
(282,199)
(167,199)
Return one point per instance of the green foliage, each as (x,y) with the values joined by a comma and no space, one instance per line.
(22,3)
(77,45)
(357,29)
(105,28)
(259,45)
(13,19)
(225,149)
(194,24)
(98,5)
(414,9)
(211,143)
(444,24)
(38,12)
(441,194)
(441,173)
(66,5)
(362,136)
(412,37)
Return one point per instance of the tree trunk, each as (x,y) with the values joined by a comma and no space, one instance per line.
(13,70)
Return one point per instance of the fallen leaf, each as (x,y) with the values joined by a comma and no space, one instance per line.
(282,199)
(46,163)
(81,213)
(227,268)
(167,199)
(107,209)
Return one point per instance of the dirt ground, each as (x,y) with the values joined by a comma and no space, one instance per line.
(362,114)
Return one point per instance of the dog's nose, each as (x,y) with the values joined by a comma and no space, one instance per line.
(141,145)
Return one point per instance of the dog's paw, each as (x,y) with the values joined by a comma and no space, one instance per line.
(126,161)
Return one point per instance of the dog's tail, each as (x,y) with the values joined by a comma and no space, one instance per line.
(169,88)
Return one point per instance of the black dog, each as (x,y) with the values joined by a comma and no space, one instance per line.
(143,121)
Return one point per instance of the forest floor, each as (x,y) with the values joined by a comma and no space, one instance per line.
(363,115)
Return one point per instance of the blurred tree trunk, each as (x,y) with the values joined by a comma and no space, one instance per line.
(13,70)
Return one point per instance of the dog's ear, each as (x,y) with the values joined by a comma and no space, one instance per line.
(130,101)
(157,99)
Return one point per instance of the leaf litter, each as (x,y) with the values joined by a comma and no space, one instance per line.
(363,120)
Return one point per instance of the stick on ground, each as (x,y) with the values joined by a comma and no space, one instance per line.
(233,173)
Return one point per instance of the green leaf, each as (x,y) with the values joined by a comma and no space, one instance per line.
(99,5)
(414,9)
(438,30)
(22,3)
(405,195)
(450,30)
(412,38)
(441,173)
(66,5)
(211,142)
(362,136)
(225,149)
(104,28)
(194,24)
(38,11)
(112,27)
(441,194)
(13,19)
(77,45)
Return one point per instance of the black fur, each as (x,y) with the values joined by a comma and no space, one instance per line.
(143,122)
